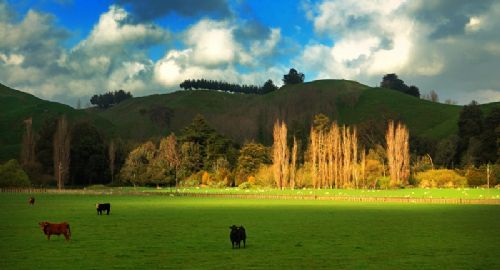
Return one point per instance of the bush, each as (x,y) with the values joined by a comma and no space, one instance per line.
(13,175)
(383,182)
(264,176)
(246,185)
(478,176)
(440,178)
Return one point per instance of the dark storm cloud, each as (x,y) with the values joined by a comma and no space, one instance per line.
(449,17)
(146,10)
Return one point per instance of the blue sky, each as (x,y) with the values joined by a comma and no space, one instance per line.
(65,50)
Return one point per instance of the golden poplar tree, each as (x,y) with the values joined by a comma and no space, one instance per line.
(280,155)
(398,153)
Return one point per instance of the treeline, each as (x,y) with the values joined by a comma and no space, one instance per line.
(392,81)
(330,156)
(293,77)
(108,99)
(228,87)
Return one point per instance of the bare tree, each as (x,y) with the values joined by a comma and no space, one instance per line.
(293,164)
(112,158)
(61,144)
(28,145)
(169,148)
(398,153)
(280,155)
(434,96)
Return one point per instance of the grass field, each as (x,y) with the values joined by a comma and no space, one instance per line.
(447,193)
(151,232)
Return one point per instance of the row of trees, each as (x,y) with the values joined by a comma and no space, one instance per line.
(228,87)
(108,99)
(64,153)
(331,155)
(293,77)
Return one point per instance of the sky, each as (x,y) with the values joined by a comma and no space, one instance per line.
(69,50)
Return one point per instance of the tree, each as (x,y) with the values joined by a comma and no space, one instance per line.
(89,157)
(293,164)
(293,77)
(168,161)
(112,158)
(269,87)
(211,145)
(398,154)
(445,151)
(280,155)
(12,175)
(61,152)
(28,144)
(135,169)
(470,125)
(252,156)
(391,81)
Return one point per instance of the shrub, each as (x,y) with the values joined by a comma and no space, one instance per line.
(13,175)
(478,176)
(246,185)
(440,178)
(264,176)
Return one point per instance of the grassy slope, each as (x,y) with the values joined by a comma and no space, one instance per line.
(17,106)
(250,117)
(185,233)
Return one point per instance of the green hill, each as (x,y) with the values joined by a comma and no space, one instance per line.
(16,106)
(251,117)
(238,116)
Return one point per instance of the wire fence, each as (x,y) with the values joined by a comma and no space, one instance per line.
(258,196)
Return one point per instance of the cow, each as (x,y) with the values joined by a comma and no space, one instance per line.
(237,235)
(31,200)
(103,207)
(55,228)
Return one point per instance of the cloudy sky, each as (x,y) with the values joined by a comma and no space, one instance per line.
(65,50)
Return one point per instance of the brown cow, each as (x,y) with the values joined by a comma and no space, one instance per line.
(31,200)
(55,228)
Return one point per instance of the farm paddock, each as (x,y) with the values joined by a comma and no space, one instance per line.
(150,232)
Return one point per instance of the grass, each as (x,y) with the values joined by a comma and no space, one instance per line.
(464,193)
(154,232)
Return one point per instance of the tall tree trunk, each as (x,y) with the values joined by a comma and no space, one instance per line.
(61,144)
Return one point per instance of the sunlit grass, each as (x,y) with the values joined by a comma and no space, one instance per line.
(464,193)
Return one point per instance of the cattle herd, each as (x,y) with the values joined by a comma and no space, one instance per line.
(63,228)
(236,235)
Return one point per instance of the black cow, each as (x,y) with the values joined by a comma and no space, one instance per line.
(103,207)
(31,200)
(237,235)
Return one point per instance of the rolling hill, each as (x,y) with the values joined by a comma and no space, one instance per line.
(16,106)
(251,117)
(238,116)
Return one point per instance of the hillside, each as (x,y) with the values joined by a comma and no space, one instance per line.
(16,106)
(251,117)
(238,116)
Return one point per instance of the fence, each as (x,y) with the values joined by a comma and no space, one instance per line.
(259,196)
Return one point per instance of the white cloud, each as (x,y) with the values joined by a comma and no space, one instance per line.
(212,43)
(212,52)
(373,38)
(113,29)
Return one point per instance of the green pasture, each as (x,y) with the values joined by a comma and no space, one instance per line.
(447,193)
(164,232)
